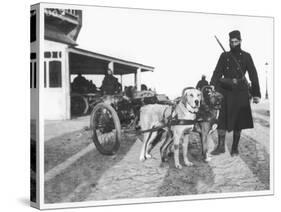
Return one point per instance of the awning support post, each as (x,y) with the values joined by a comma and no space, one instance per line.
(138,79)
(111,66)
(121,81)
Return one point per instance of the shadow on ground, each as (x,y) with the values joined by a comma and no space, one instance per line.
(33,161)
(262,122)
(189,180)
(263,112)
(255,157)
(76,182)
(58,149)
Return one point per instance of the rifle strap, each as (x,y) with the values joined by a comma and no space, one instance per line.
(238,65)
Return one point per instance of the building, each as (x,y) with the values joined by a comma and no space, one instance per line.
(62,59)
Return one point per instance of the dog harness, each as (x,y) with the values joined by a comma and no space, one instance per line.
(172,120)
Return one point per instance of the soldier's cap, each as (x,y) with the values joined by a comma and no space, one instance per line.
(235,34)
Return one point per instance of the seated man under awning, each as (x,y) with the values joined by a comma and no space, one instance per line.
(80,84)
(110,84)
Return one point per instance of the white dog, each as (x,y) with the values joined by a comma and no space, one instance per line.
(156,115)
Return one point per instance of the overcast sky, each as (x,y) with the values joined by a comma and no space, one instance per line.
(180,45)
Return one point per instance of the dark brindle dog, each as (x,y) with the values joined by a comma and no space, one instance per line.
(207,117)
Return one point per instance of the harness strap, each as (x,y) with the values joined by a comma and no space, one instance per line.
(173,122)
(182,122)
(153,129)
(171,115)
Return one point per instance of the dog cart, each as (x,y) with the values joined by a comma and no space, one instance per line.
(116,113)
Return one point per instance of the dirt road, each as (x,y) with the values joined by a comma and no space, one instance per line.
(97,177)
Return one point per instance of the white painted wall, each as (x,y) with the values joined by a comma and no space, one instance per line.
(34,92)
(57,100)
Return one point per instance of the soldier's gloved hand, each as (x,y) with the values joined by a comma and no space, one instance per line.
(256,100)
(213,87)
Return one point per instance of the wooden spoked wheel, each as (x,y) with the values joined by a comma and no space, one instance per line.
(106,129)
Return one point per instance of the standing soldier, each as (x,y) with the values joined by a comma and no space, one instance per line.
(228,78)
(201,83)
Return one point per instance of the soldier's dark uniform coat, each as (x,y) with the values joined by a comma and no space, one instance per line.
(201,84)
(236,113)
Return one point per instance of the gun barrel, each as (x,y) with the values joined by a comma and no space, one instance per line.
(220,43)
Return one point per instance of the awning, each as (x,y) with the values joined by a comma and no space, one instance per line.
(87,62)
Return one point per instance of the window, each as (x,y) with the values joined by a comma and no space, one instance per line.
(47,54)
(52,69)
(33,71)
(32,55)
(55,74)
(55,54)
(45,74)
(34,75)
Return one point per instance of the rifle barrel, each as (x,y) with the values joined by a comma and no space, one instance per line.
(220,43)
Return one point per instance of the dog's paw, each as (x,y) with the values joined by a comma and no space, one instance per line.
(148,156)
(142,158)
(188,163)
(178,166)
(208,159)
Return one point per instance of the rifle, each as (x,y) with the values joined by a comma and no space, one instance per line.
(220,44)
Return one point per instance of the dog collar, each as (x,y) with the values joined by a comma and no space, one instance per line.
(191,111)
(183,107)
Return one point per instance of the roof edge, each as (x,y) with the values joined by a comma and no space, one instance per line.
(107,57)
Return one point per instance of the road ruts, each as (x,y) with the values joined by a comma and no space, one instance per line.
(132,179)
(123,176)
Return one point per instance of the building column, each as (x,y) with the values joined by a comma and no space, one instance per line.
(138,79)
(121,81)
(111,66)
(67,84)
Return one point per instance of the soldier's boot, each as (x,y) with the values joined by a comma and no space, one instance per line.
(221,143)
(236,138)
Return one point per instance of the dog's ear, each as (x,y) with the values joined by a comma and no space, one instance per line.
(185,89)
(184,98)
(184,94)
(202,101)
(206,88)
